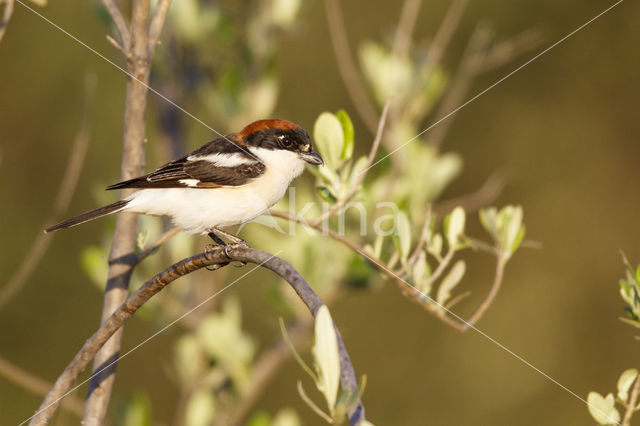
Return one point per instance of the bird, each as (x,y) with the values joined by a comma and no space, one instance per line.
(228,181)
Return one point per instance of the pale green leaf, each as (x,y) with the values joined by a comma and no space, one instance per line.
(435,246)
(450,281)
(419,267)
(328,137)
(286,417)
(625,381)
(603,410)
(347,130)
(325,353)
(455,226)
(200,410)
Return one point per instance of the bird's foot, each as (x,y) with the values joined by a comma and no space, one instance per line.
(210,249)
(217,235)
(233,240)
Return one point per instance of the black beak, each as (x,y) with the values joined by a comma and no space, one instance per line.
(312,157)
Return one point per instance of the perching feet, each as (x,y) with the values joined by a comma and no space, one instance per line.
(233,240)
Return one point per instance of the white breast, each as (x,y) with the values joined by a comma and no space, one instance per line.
(198,210)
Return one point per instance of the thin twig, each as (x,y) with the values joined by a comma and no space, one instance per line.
(220,256)
(446,30)
(122,257)
(631,404)
(6,16)
(157,244)
(375,145)
(66,190)
(35,385)
(462,79)
(157,22)
(405,27)
(119,21)
(495,288)
(505,51)
(346,66)
(118,46)
(421,240)
(406,288)
(478,58)
(476,200)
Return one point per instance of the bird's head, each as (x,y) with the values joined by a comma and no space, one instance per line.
(280,135)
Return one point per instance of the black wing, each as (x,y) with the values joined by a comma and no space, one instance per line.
(222,162)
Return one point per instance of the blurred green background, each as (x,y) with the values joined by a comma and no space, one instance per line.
(565,129)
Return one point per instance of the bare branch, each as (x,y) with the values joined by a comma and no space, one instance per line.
(66,189)
(473,201)
(118,47)
(220,256)
(122,256)
(505,51)
(447,28)
(119,21)
(157,22)
(6,16)
(479,58)
(406,25)
(462,79)
(346,66)
(35,384)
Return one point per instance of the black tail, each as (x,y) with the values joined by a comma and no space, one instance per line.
(87,216)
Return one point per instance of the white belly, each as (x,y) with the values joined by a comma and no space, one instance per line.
(198,210)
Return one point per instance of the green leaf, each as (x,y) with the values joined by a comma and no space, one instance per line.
(603,410)
(450,281)
(435,246)
(419,267)
(455,226)
(625,381)
(325,353)
(329,139)
(347,130)
(326,194)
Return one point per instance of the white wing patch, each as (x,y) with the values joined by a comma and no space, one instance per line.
(223,160)
(190,182)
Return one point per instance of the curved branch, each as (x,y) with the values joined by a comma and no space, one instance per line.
(220,256)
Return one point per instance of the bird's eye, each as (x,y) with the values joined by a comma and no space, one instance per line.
(285,141)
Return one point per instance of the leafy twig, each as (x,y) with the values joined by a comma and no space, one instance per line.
(362,174)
